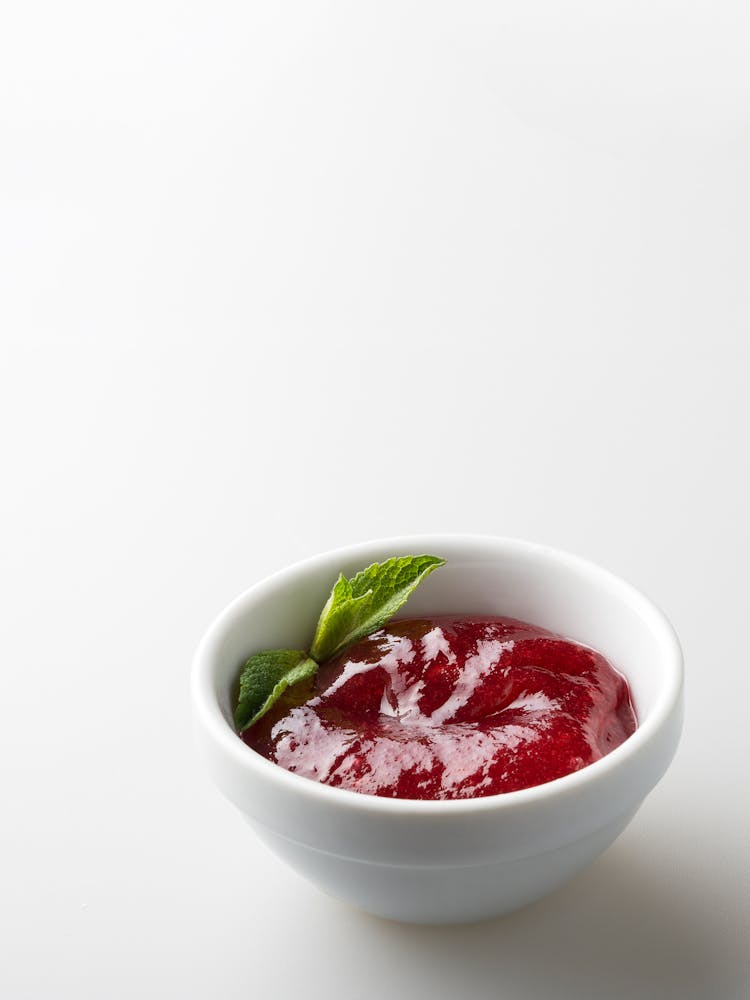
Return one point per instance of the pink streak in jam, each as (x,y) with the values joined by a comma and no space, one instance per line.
(450,708)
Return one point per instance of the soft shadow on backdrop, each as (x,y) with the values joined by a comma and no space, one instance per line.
(624,928)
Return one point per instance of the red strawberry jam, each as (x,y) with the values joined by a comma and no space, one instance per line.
(449,708)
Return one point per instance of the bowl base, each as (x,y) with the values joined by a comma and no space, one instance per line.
(444,895)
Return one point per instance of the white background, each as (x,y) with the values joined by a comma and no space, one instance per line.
(276,277)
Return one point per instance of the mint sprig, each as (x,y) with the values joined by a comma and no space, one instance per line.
(354,609)
(265,677)
(361,605)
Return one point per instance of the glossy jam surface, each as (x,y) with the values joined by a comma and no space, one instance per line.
(450,708)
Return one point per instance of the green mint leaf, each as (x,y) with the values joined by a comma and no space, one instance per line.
(265,677)
(354,608)
(361,605)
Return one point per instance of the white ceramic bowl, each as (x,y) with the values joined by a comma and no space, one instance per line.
(445,862)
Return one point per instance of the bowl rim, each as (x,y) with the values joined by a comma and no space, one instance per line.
(208,713)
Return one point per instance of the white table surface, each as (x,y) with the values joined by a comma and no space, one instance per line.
(275,277)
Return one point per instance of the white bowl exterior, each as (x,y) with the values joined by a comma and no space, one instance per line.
(355,845)
(444,894)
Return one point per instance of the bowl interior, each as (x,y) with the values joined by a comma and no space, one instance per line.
(482,576)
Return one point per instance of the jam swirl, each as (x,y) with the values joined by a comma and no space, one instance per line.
(449,708)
